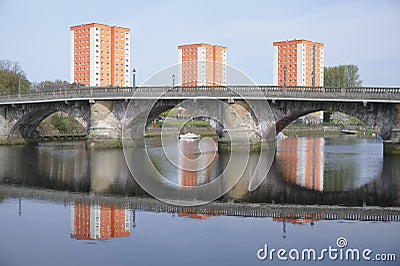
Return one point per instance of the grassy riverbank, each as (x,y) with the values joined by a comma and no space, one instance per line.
(293,130)
(324,130)
(198,127)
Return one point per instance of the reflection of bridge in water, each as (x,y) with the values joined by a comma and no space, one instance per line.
(76,169)
(219,208)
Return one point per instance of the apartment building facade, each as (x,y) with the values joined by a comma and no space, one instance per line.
(298,63)
(100,55)
(201,65)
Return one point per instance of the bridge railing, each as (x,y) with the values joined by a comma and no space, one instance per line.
(363,93)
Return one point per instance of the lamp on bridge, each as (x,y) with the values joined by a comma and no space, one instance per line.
(133,78)
(284,76)
(312,78)
(173,80)
(19,86)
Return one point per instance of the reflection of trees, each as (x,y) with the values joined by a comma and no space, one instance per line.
(63,165)
(67,167)
(340,179)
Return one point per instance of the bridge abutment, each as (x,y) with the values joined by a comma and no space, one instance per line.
(105,130)
(6,126)
(240,129)
(392,145)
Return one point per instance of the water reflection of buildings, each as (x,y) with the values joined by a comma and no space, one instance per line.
(190,158)
(98,222)
(296,220)
(302,161)
(194,215)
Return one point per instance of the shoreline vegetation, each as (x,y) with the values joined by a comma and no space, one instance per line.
(290,131)
(195,126)
(327,130)
(293,130)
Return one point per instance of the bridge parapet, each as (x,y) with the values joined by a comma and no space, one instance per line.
(253,92)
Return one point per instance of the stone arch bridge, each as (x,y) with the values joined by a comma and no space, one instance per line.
(101,110)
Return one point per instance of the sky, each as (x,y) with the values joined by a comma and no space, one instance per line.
(365,33)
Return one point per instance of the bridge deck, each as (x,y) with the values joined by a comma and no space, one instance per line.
(362,94)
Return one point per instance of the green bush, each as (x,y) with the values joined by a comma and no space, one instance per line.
(66,124)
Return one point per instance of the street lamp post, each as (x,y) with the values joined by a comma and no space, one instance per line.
(173,80)
(284,76)
(313,79)
(134,78)
(19,86)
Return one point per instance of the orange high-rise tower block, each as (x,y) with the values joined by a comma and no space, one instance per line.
(100,55)
(298,63)
(202,65)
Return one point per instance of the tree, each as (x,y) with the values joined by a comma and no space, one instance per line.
(12,67)
(170,113)
(50,84)
(11,76)
(64,123)
(340,118)
(342,76)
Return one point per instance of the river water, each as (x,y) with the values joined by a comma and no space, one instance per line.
(62,204)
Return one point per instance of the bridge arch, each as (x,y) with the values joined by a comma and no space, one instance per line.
(379,116)
(141,114)
(24,119)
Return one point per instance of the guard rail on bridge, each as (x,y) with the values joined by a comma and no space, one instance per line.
(366,94)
